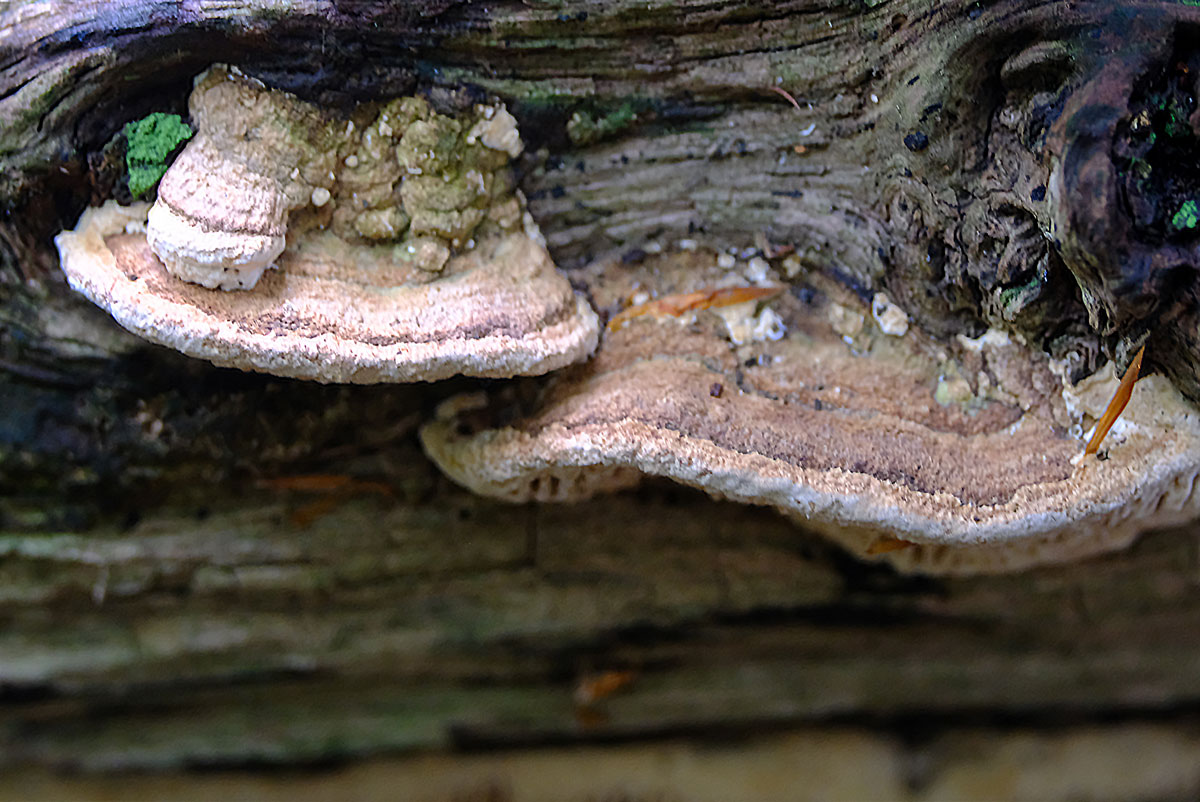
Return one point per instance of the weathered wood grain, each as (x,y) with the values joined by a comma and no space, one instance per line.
(166,603)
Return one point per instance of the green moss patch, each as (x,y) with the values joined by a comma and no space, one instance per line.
(150,143)
(1188,216)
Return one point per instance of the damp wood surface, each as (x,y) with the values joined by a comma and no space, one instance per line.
(239,636)
(179,588)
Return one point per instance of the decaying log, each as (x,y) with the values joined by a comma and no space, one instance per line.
(173,596)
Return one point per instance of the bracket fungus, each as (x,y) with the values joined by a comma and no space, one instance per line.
(953,459)
(403,248)
(404,253)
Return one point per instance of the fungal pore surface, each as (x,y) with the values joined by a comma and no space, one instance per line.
(403,249)
(946,458)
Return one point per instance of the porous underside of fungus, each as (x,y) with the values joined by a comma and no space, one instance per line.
(943,458)
(404,250)
(340,311)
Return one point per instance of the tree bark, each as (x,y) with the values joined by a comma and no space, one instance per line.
(171,598)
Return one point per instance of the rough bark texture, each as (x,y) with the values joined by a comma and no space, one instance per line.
(169,600)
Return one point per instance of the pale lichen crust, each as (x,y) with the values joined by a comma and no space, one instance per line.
(945,459)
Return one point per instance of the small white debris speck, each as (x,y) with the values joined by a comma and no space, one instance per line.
(995,337)
(498,130)
(769,326)
(890,318)
(757,270)
(744,326)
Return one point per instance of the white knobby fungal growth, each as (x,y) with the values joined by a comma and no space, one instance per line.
(890,318)
(402,174)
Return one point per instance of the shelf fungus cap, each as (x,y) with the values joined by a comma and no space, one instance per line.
(959,460)
(198,243)
(404,249)
(221,215)
(341,311)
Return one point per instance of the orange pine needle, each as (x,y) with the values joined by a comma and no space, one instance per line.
(331,489)
(304,516)
(324,483)
(594,688)
(786,94)
(307,483)
(885,545)
(1117,405)
(676,305)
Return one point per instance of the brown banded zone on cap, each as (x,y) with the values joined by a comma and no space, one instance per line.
(217,228)
(342,311)
(234,199)
(856,446)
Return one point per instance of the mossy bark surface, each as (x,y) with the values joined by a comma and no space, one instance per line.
(171,597)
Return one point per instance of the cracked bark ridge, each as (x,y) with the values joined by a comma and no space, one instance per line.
(1124,192)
